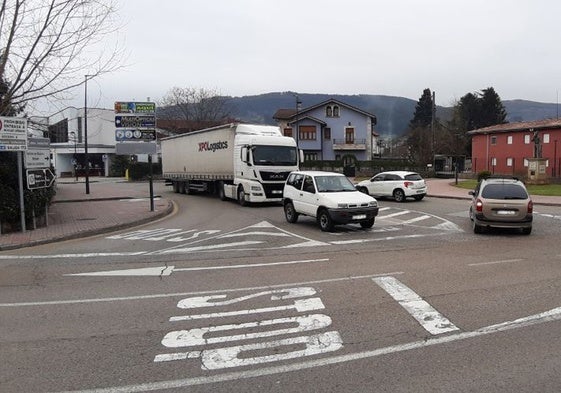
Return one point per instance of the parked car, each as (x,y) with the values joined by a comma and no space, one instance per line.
(399,185)
(329,197)
(501,203)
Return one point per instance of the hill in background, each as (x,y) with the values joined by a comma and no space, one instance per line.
(393,113)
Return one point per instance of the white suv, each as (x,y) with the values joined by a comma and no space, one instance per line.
(329,197)
(397,184)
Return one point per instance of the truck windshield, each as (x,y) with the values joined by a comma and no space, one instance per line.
(274,155)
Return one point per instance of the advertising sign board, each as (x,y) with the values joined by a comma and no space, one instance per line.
(135,135)
(135,107)
(135,121)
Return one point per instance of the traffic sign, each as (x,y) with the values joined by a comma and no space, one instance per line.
(135,107)
(13,134)
(135,121)
(135,135)
(38,154)
(39,178)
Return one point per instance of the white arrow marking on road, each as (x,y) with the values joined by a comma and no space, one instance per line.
(167,270)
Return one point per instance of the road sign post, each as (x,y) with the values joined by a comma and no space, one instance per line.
(135,124)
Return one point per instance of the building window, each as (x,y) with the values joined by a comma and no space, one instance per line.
(349,135)
(527,139)
(58,132)
(493,140)
(327,133)
(509,140)
(332,111)
(287,131)
(307,133)
(309,156)
(509,162)
(526,163)
(545,138)
(337,157)
(493,161)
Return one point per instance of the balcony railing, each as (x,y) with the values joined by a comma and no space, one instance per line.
(343,144)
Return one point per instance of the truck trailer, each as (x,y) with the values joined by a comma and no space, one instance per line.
(245,162)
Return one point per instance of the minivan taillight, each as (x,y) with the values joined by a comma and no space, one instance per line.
(530,207)
(479,205)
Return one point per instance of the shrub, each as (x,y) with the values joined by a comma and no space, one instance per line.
(483,175)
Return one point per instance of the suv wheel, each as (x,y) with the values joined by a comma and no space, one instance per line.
(290,213)
(399,195)
(325,221)
(367,224)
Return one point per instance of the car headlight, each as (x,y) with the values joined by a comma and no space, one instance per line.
(343,205)
(373,204)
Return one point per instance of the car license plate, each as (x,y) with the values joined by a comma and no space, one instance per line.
(506,212)
(359,217)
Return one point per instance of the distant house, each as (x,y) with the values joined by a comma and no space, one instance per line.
(505,148)
(331,130)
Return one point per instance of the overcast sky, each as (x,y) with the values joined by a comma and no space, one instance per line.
(394,47)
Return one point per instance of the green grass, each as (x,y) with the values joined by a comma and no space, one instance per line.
(545,189)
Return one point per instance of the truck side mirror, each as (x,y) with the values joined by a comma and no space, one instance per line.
(244,155)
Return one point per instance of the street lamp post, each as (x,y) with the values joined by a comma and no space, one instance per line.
(87,162)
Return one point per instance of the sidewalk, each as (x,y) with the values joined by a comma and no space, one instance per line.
(115,203)
(112,204)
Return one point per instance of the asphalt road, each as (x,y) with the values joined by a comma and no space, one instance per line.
(220,298)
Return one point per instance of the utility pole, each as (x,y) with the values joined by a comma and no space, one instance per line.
(432,124)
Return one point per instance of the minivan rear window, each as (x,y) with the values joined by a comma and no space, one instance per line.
(504,191)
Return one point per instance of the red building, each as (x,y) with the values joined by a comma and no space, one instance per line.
(505,148)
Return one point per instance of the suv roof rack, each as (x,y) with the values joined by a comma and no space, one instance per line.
(505,177)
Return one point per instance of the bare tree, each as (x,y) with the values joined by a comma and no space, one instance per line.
(197,105)
(48,46)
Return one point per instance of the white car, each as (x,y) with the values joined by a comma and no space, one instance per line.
(329,197)
(399,185)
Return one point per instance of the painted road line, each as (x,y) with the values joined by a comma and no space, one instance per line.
(416,219)
(401,213)
(85,255)
(430,319)
(521,323)
(495,262)
(182,294)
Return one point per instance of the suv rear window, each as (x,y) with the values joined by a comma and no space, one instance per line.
(413,176)
(504,191)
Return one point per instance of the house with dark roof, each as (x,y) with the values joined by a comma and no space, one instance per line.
(506,148)
(331,130)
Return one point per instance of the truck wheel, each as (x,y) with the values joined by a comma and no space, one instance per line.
(241,197)
(290,213)
(325,221)
(221,193)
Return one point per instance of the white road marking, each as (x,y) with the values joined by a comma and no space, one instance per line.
(84,255)
(416,219)
(548,316)
(206,248)
(387,238)
(196,337)
(400,213)
(302,305)
(181,294)
(220,358)
(495,262)
(168,270)
(430,319)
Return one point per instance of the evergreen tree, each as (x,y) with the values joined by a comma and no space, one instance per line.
(492,109)
(422,117)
